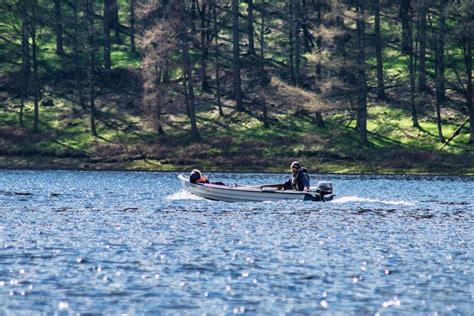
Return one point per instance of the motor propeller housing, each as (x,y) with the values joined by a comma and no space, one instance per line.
(324,188)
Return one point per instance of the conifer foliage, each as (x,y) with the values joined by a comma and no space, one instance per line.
(318,55)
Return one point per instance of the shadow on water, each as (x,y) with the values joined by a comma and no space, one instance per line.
(415,213)
(9,193)
(447,202)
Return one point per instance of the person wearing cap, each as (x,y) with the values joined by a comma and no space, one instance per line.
(299,179)
(196,177)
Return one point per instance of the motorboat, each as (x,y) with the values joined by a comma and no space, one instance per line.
(323,192)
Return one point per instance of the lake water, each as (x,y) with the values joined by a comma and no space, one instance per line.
(134,242)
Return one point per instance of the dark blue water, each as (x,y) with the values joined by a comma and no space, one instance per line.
(123,242)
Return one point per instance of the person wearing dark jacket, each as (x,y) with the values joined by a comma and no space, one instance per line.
(299,179)
(197,177)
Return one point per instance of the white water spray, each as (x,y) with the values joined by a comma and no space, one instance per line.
(357,199)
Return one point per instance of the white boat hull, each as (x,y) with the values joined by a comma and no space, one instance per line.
(243,193)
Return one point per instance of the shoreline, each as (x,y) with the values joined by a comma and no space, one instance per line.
(143,165)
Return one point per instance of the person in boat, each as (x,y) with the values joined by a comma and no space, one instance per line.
(196,177)
(299,179)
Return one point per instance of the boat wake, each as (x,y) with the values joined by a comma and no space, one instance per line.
(182,195)
(357,199)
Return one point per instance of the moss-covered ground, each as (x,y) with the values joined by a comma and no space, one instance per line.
(236,142)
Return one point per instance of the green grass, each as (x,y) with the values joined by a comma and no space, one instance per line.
(123,58)
(390,131)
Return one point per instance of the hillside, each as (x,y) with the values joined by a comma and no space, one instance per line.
(280,120)
(238,141)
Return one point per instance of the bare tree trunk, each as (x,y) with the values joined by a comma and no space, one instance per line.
(22,105)
(263,104)
(422,87)
(250,33)
(34,47)
(216,60)
(132,26)
(296,32)
(185,89)
(262,37)
(378,53)
(58,27)
(190,91)
(194,6)
(75,40)
(405,19)
(291,42)
(318,71)
(318,116)
(411,71)
(22,97)
(77,64)
(189,87)
(341,46)
(236,55)
(204,47)
(307,36)
(361,76)
(106,25)
(25,46)
(22,92)
(319,40)
(25,61)
(440,97)
(157,116)
(91,75)
(469,104)
(114,19)
(266,123)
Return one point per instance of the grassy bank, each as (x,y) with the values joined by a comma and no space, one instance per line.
(238,141)
(36,162)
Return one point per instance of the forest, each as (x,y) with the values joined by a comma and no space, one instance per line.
(363,86)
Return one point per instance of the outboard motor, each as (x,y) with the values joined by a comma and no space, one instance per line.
(324,191)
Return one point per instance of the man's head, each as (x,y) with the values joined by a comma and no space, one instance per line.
(195,175)
(295,166)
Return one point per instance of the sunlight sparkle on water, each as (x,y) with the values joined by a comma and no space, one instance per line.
(393,302)
(63,305)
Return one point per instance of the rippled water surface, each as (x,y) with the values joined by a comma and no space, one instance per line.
(131,242)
